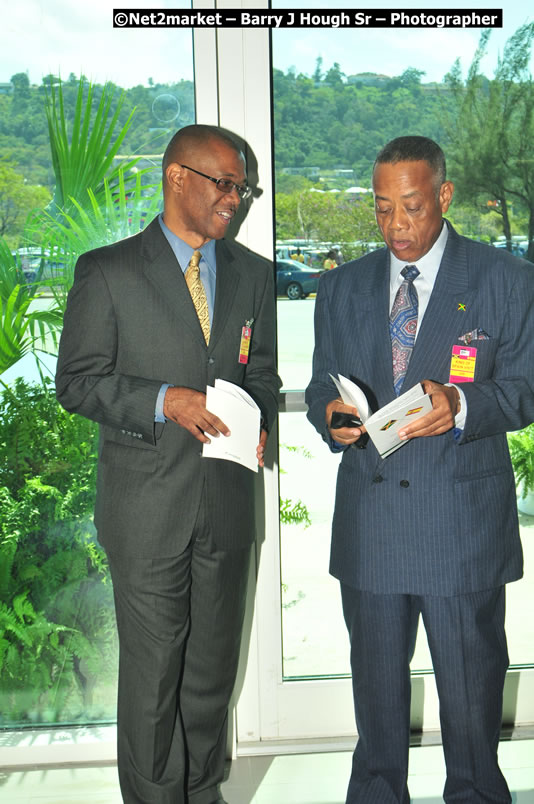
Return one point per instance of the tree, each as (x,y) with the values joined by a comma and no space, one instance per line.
(288,183)
(50,80)
(17,200)
(327,217)
(334,76)
(475,222)
(21,91)
(318,74)
(411,77)
(491,129)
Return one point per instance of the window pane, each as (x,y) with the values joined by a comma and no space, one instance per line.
(339,96)
(58,647)
(315,642)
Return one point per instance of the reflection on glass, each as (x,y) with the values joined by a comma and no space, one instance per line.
(166,108)
(295,342)
(314,635)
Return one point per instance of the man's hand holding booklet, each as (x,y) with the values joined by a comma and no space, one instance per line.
(241,414)
(384,425)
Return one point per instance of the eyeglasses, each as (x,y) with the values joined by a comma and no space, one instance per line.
(224,185)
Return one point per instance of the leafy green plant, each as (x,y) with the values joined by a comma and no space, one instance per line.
(21,329)
(83,149)
(57,631)
(96,201)
(119,212)
(521,446)
(58,641)
(294,513)
(291,512)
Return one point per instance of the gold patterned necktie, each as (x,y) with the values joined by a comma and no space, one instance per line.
(198,294)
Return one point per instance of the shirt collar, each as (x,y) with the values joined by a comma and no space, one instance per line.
(428,264)
(183,252)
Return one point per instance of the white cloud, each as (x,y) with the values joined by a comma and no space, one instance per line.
(51,36)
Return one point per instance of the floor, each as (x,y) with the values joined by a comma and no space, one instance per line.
(294,779)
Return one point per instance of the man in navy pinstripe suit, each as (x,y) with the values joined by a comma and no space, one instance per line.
(432,529)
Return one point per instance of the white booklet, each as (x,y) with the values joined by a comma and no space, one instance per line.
(384,425)
(242,416)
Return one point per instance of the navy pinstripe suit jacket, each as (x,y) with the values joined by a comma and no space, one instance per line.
(438,517)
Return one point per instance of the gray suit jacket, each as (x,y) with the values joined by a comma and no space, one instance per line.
(438,516)
(130,325)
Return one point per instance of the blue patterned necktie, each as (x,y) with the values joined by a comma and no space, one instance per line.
(403,325)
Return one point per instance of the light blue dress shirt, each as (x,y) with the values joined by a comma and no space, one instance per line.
(208,271)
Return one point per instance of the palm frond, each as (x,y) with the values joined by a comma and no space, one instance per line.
(11,273)
(521,444)
(120,212)
(22,329)
(83,152)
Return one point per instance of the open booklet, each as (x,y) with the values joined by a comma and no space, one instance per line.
(242,416)
(384,425)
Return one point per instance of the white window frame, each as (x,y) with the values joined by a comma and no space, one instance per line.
(269,709)
(233,89)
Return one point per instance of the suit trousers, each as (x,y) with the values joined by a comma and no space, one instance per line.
(468,646)
(179,621)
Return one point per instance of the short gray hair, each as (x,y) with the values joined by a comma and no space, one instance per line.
(415,149)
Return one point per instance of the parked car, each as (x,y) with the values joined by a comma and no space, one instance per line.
(37,264)
(519,247)
(295,280)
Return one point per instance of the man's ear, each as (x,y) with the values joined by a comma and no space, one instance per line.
(445,195)
(175,177)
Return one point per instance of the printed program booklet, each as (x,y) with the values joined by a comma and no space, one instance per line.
(384,425)
(242,416)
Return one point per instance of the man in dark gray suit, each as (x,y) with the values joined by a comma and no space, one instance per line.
(136,356)
(432,529)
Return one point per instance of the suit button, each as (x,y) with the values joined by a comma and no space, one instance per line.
(211,360)
(405,484)
(377,479)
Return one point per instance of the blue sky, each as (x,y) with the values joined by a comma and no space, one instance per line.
(42,36)
(391,51)
(51,36)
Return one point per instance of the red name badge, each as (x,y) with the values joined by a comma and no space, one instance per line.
(244,346)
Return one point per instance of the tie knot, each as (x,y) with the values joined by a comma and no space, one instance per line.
(195,259)
(410,272)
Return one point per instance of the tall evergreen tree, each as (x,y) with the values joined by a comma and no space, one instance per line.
(491,128)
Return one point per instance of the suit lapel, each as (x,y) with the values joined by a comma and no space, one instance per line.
(370,297)
(163,270)
(228,277)
(444,318)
